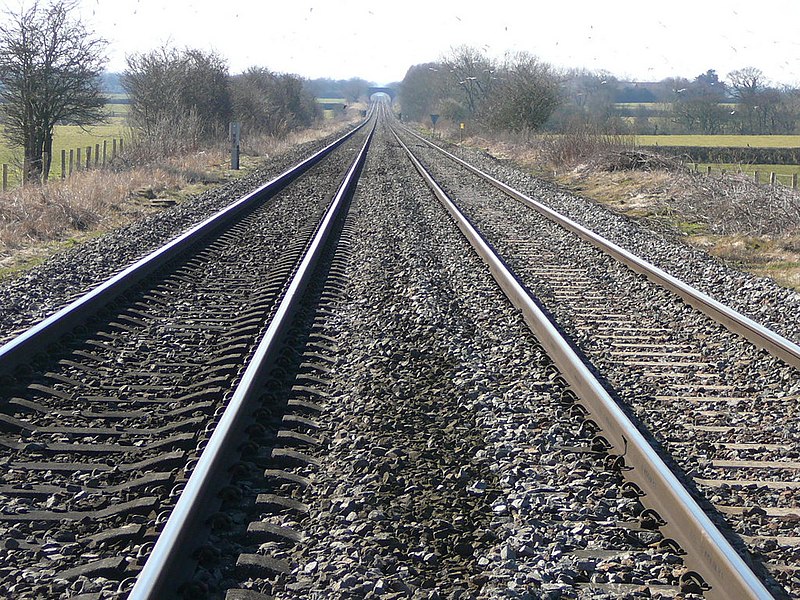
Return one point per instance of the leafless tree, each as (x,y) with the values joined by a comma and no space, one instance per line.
(272,103)
(50,66)
(181,94)
(517,94)
(746,83)
(474,73)
(696,104)
(355,88)
(527,94)
(747,86)
(422,90)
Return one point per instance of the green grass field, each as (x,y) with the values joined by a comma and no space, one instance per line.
(783,173)
(66,137)
(729,141)
(665,106)
(652,106)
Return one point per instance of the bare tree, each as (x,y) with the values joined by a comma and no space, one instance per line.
(272,103)
(528,93)
(422,89)
(50,67)
(519,94)
(178,98)
(696,104)
(355,88)
(699,113)
(474,73)
(205,88)
(746,83)
(153,82)
(747,86)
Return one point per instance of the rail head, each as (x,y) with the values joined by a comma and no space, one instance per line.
(733,320)
(28,344)
(708,552)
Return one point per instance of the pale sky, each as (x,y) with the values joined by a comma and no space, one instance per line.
(378,41)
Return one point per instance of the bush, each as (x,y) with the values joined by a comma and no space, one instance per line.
(178,98)
(271,103)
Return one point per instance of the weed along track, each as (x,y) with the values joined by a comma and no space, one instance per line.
(333,396)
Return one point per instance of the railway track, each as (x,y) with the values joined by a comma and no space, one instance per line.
(110,402)
(399,432)
(680,374)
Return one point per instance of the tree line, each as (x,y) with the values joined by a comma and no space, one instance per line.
(743,102)
(522,93)
(51,69)
(517,93)
(180,99)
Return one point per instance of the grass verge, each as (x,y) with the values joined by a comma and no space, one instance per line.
(752,227)
(729,141)
(39,221)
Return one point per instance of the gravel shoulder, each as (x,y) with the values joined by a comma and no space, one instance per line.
(759,298)
(451,469)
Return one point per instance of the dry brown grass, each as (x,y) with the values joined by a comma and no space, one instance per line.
(264,146)
(34,219)
(755,227)
(91,200)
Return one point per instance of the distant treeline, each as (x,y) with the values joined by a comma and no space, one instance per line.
(467,85)
(351,89)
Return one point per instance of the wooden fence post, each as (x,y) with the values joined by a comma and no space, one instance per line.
(113,148)
(45,161)
(105,151)
(88,157)
(756,177)
(63,164)
(78,163)
(96,155)
(5,177)
(71,161)
(120,145)
(794,181)
(772,178)
(708,169)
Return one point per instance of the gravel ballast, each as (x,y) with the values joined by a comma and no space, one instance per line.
(450,469)
(38,292)
(759,298)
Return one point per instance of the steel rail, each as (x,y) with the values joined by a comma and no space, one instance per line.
(733,320)
(26,345)
(169,549)
(707,550)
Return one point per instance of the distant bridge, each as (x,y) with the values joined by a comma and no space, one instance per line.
(391,92)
